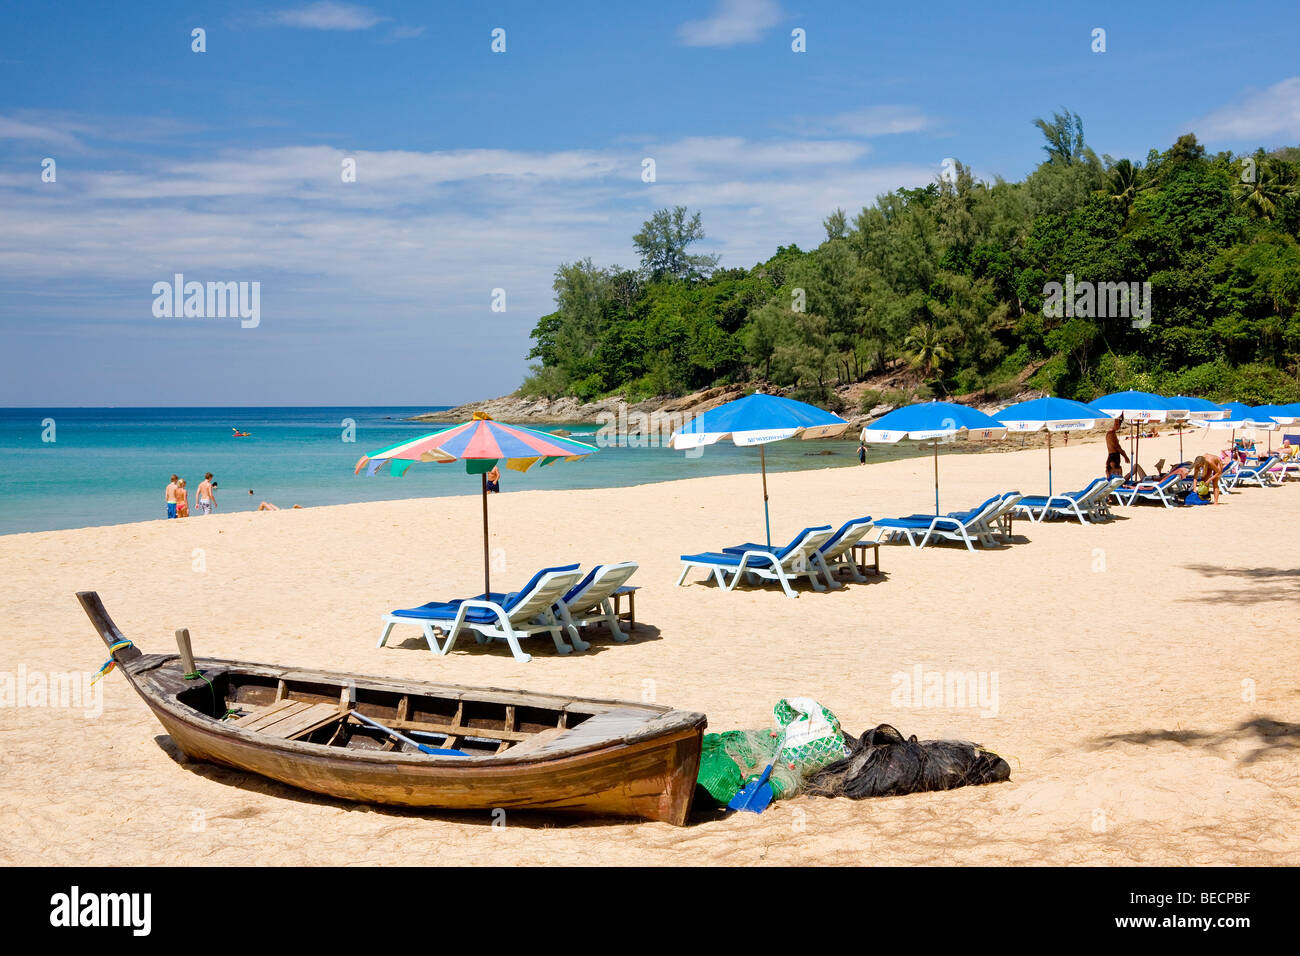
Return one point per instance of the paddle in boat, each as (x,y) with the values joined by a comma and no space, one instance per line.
(415,743)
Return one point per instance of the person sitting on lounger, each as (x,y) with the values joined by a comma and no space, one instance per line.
(1208,470)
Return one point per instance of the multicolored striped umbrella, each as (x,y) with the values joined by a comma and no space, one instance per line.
(481,444)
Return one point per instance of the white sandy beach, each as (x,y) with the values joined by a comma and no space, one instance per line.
(1147,692)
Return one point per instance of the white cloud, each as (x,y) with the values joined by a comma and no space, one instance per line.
(1257,115)
(406,33)
(328,15)
(409,252)
(733,22)
(19,129)
(875,121)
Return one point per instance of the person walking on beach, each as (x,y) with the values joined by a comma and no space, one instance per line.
(206,495)
(862,453)
(169,496)
(494,479)
(182,499)
(1113,449)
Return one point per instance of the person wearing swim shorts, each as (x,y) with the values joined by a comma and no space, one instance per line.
(169,496)
(1113,449)
(206,495)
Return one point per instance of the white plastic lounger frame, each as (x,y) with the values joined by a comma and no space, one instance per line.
(840,553)
(1161,491)
(595,603)
(1260,474)
(998,520)
(1075,504)
(952,529)
(802,560)
(530,616)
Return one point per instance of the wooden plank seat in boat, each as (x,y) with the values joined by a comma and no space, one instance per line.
(287,719)
(610,726)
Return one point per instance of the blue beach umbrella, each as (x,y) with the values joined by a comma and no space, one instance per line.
(1281,414)
(1277,415)
(934,422)
(1050,415)
(1239,415)
(1201,408)
(756,420)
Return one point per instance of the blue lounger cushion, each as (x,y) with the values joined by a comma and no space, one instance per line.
(782,551)
(914,521)
(727,560)
(446,610)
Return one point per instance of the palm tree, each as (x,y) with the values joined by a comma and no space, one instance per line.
(925,349)
(1273,183)
(1124,181)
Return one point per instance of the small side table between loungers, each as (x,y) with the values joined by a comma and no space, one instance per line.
(860,556)
(630,615)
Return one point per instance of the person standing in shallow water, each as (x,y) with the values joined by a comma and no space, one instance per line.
(206,495)
(169,496)
(862,453)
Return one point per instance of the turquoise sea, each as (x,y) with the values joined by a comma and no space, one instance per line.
(77,467)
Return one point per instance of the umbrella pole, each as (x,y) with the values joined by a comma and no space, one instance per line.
(936,477)
(1049,464)
(487,581)
(767,520)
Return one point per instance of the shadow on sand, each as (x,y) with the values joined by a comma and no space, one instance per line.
(1269,737)
(1255,585)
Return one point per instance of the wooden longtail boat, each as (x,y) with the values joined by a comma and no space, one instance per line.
(521,750)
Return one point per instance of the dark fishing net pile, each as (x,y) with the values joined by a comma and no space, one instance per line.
(883,763)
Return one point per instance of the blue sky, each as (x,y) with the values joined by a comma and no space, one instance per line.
(479,171)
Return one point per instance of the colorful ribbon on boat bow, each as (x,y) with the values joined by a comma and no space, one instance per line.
(112,661)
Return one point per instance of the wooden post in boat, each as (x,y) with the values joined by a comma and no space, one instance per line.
(187,653)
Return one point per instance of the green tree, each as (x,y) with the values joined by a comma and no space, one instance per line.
(926,349)
(663,242)
(1272,184)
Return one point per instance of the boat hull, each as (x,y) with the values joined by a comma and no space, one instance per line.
(650,780)
(513,750)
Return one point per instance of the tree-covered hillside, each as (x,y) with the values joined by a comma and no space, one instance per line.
(952,280)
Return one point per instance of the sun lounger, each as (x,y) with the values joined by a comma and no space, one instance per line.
(796,559)
(837,552)
(591,600)
(1165,491)
(999,519)
(1086,505)
(508,617)
(1260,474)
(964,526)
